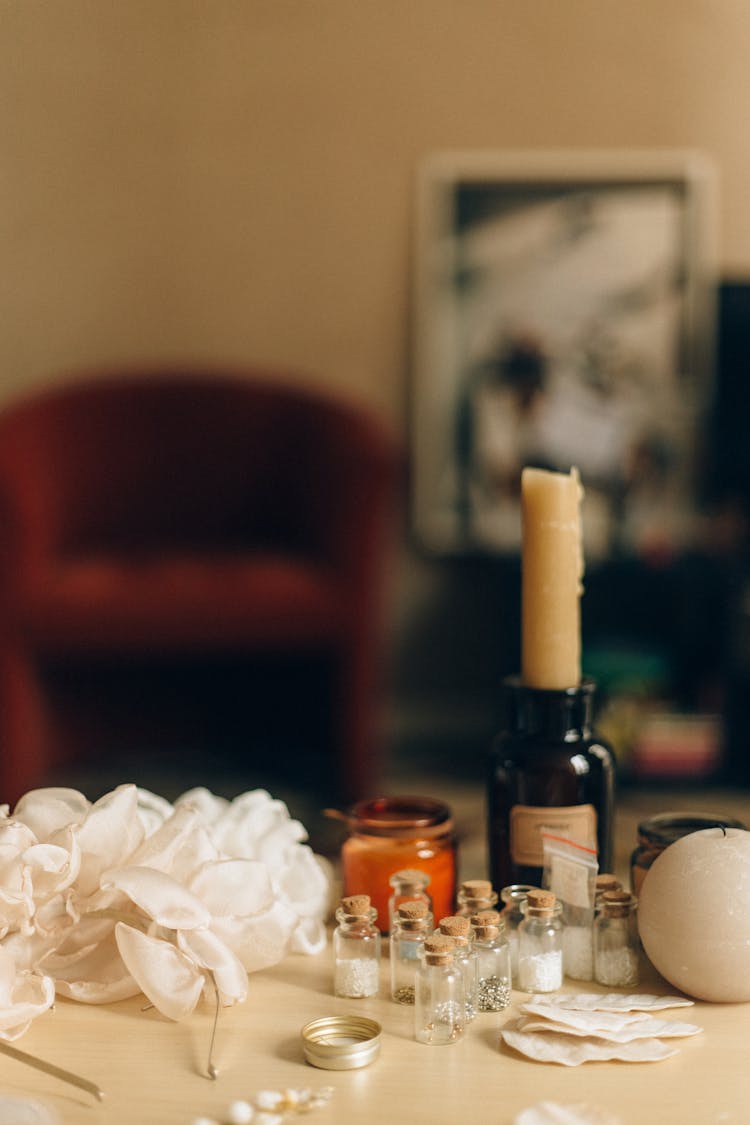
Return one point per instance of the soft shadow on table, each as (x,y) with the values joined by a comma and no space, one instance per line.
(290,1050)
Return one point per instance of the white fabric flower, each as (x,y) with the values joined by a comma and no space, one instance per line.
(131,894)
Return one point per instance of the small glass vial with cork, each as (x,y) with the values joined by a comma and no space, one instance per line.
(407,885)
(605,881)
(540,943)
(411,926)
(616,941)
(356,948)
(475,895)
(440,999)
(458,927)
(493,961)
(513,898)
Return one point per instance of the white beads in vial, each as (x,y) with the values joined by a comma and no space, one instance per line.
(616,941)
(540,943)
(356,949)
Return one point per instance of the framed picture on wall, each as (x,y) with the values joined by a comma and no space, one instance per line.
(563,316)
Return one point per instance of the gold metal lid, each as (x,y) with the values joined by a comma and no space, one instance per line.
(341,1042)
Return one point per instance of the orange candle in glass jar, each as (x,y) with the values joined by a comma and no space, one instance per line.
(389,834)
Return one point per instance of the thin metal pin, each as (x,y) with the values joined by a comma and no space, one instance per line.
(212,1071)
(50,1068)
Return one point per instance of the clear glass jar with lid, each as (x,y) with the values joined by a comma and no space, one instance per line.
(356,948)
(493,961)
(616,942)
(475,895)
(411,927)
(440,1001)
(458,927)
(513,898)
(408,885)
(540,943)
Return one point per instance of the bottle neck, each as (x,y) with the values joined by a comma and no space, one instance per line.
(556,715)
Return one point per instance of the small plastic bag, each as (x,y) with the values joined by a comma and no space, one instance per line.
(570,870)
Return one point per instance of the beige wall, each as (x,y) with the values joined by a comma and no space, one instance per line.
(232,179)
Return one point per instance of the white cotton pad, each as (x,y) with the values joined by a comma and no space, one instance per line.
(640,1029)
(614,1002)
(26,1111)
(568,1050)
(620,1026)
(552,1113)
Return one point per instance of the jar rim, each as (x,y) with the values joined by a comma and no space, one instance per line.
(400,816)
(665,828)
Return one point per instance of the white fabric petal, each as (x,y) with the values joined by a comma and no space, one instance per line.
(305,883)
(164,974)
(211,953)
(209,807)
(47,810)
(108,835)
(259,941)
(24,996)
(16,899)
(15,837)
(53,867)
(309,936)
(233,887)
(153,810)
(178,846)
(85,963)
(258,826)
(160,896)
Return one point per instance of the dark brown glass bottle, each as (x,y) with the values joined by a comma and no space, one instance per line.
(548,769)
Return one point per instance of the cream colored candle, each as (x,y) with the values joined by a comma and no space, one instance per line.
(694,914)
(551,579)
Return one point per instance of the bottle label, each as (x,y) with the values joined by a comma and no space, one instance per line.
(527,822)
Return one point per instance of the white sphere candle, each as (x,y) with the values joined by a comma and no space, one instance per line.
(694,914)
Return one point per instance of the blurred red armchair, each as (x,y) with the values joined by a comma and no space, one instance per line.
(198,513)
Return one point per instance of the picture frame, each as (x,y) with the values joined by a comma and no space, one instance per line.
(563,315)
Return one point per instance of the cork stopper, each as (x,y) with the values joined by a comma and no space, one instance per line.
(412,915)
(477,888)
(358,906)
(605,881)
(487,924)
(485,918)
(455,926)
(541,902)
(410,879)
(618,904)
(438,949)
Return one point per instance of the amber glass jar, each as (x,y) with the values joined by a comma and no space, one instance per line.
(658,832)
(388,834)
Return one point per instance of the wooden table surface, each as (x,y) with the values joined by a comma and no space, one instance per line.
(153,1071)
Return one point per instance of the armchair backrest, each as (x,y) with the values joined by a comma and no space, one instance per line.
(155,461)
